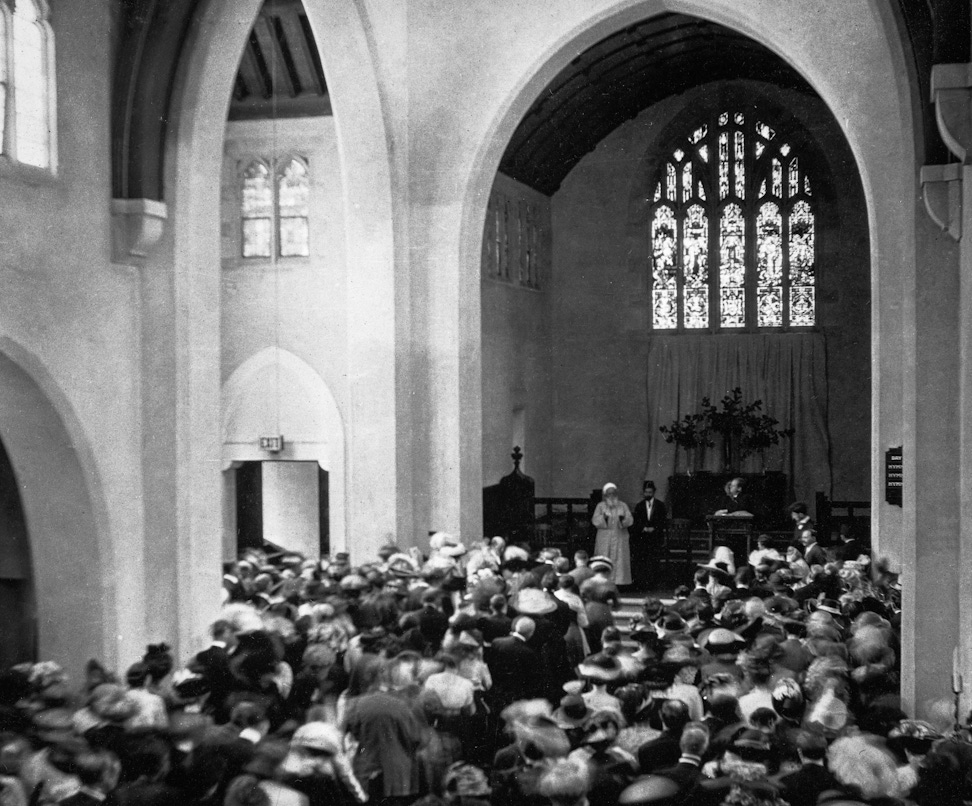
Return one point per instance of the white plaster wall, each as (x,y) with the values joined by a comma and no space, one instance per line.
(70,319)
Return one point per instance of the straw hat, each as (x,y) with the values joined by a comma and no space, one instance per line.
(534,602)
(601,668)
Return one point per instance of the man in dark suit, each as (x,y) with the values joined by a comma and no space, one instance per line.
(664,751)
(496,624)
(850,548)
(687,772)
(212,665)
(647,535)
(803,787)
(514,666)
(801,520)
(812,553)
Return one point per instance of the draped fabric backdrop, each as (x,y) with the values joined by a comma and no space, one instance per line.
(787,371)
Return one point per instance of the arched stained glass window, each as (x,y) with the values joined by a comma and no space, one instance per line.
(257,210)
(31,84)
(733,238)
(293,186)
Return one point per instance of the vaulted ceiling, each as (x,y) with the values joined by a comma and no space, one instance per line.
(280,73)
(620,76)
(612,81)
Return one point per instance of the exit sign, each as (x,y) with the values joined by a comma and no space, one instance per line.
(272,444)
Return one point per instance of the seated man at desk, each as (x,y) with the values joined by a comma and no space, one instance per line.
(736,503)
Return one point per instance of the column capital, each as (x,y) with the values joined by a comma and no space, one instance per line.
(951,89)
(137,226)
(941,189)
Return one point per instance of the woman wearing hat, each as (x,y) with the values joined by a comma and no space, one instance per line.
(612,519)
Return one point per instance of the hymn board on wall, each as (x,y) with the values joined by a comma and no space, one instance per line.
(893,475)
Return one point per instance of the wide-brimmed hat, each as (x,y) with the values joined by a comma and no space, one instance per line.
(601,563)
(597,725)
(671,624)
(543,734)
(572,712)
(657,677)
(649,789)
(788,700)
(111,702)
(601,668)
(680,655)
(722,640)
(319,736)
(534,602)
(752,745)
(914,735)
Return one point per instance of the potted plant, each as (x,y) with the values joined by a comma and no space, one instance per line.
(730,420)
(760,435)
(691,433)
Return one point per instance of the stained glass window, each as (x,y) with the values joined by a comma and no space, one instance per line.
(722,255)
(664,269)
(769,266)
(32,84)
(293,194)
(732,267)
(723,165)
(257,211)
(738,168)
(695,267)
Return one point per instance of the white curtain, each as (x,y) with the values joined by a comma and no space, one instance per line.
(787,371)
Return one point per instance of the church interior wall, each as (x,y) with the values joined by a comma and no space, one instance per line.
(517,391)
(70,321)
(601,307)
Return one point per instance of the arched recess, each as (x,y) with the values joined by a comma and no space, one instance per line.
(276,392)
(181,293)
(64,512)
(868,87)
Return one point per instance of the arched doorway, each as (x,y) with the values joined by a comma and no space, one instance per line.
(292,497)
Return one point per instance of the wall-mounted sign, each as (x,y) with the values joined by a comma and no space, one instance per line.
(272,444)
(893,475)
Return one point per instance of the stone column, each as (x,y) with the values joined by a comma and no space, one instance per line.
(942,607)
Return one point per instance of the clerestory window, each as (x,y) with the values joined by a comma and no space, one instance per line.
(733,230)
(27,89)
(274,208)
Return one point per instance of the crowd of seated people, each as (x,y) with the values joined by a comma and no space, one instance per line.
(491,674)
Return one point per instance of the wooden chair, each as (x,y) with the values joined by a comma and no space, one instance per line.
(678,546)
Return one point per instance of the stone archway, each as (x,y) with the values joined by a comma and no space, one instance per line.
(861,85)
(181,297)
(63,512)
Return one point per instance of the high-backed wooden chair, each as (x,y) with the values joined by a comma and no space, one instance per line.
(678,548)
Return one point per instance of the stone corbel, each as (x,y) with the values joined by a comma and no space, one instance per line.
(941,188)
(137,226)
(951,87)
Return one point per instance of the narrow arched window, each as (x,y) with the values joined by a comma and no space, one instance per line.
(33,84)
(733,230)
(293,192)
(257,210)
